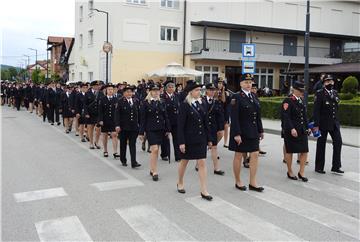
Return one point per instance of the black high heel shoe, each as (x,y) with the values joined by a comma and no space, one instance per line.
(155,177)
(206,197)
(304,179)
(241,188)
(116,155)
(96,146)
(106,154)
(257,189)
(291,177)
(180,190)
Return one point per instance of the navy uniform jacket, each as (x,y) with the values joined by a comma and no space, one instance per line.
(215,114)
(326,110)
(72,99)
(245,116)
(106,110)
(153,117)
(66,105)
(172,107)
(193,124)
(80,104)
(126,116)
(293,115)
(50,97)
(90,104)
(58,94)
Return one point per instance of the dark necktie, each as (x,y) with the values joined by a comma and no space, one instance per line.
(250,97)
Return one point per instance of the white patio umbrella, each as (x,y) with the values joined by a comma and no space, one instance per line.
(175,70)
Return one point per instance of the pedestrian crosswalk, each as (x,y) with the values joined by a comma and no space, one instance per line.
(115,185)
(39,194)
(62,229)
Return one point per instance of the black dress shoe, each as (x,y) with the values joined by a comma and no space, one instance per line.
(242,188)
(337,170)
(58,123)
(116,155)
(226,146)
(320,171)
(206,197)
(143,146)
(304,179)
(165,158)
(196,168)
(106,154)
(135,165)
(92,148)
(219,172)
(257,189)
(83,140)
(180,190)
(96,146)
(123,164)
(284,161)
(291,177)
(155,177)
(262,152)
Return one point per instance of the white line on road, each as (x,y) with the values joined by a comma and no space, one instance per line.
(243,222)
(332,219)
(39,194)
(114,185)
(62,229)
(331,189)
(351,176)
(151,225)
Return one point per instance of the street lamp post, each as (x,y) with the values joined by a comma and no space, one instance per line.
(306,52)
(47,57)
(35,57)
(28,64)
(107,41)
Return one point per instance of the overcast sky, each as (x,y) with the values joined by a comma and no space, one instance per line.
(22,21)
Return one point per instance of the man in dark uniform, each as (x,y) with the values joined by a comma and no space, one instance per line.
(51,102)
(58,94)
(127,124)
(17,93)
(326,104)
(172,103)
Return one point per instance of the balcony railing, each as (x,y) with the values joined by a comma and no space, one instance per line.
(216,45)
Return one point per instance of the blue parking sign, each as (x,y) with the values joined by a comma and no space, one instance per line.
(248,50)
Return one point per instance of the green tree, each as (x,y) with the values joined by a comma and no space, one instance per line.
(13,73)
(35,76)
(5,75)
(42,78)
(350,85)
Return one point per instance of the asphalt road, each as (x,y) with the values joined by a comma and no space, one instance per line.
(55,188)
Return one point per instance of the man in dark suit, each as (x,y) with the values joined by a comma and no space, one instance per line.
(326,104)
(127,124)
(51,102)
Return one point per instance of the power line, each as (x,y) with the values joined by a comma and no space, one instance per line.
(19,56)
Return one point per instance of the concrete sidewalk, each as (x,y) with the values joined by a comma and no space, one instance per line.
(350,135)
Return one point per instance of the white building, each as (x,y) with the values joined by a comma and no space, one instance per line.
(207,35)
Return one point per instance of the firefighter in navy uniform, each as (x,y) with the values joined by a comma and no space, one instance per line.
(326,120)
(79,109)
(51,102)
(294,123)
(127,124)
(91,112)
(106,113)
(246,130)
(215,119)
(172,103)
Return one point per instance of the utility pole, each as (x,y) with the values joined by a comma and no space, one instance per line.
(306,46)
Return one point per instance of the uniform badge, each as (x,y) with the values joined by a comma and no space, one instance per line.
(285,106)
(233,101)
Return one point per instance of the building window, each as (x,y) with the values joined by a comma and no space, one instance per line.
(211,74)
(91,37)
(170,4)
(90,76)
(80,76)
(169,34)
(91,6)
(138,2)
(264,77)
(81,41)
(81,13)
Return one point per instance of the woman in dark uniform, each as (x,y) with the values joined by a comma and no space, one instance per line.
(155,123)
(193,136)
(245,132)
(79,109)
(106,115)
(66,108)
(295,131)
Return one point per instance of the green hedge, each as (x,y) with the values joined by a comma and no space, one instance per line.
(349,110)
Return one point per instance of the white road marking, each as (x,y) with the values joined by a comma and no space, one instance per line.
(62,229)
(39,194)
(151,225)
(114,185)
(332,219)
(331,189)
(243,222)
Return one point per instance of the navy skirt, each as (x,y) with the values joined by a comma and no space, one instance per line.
(247,145)
(194,152)
(296,145)
(155,137)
